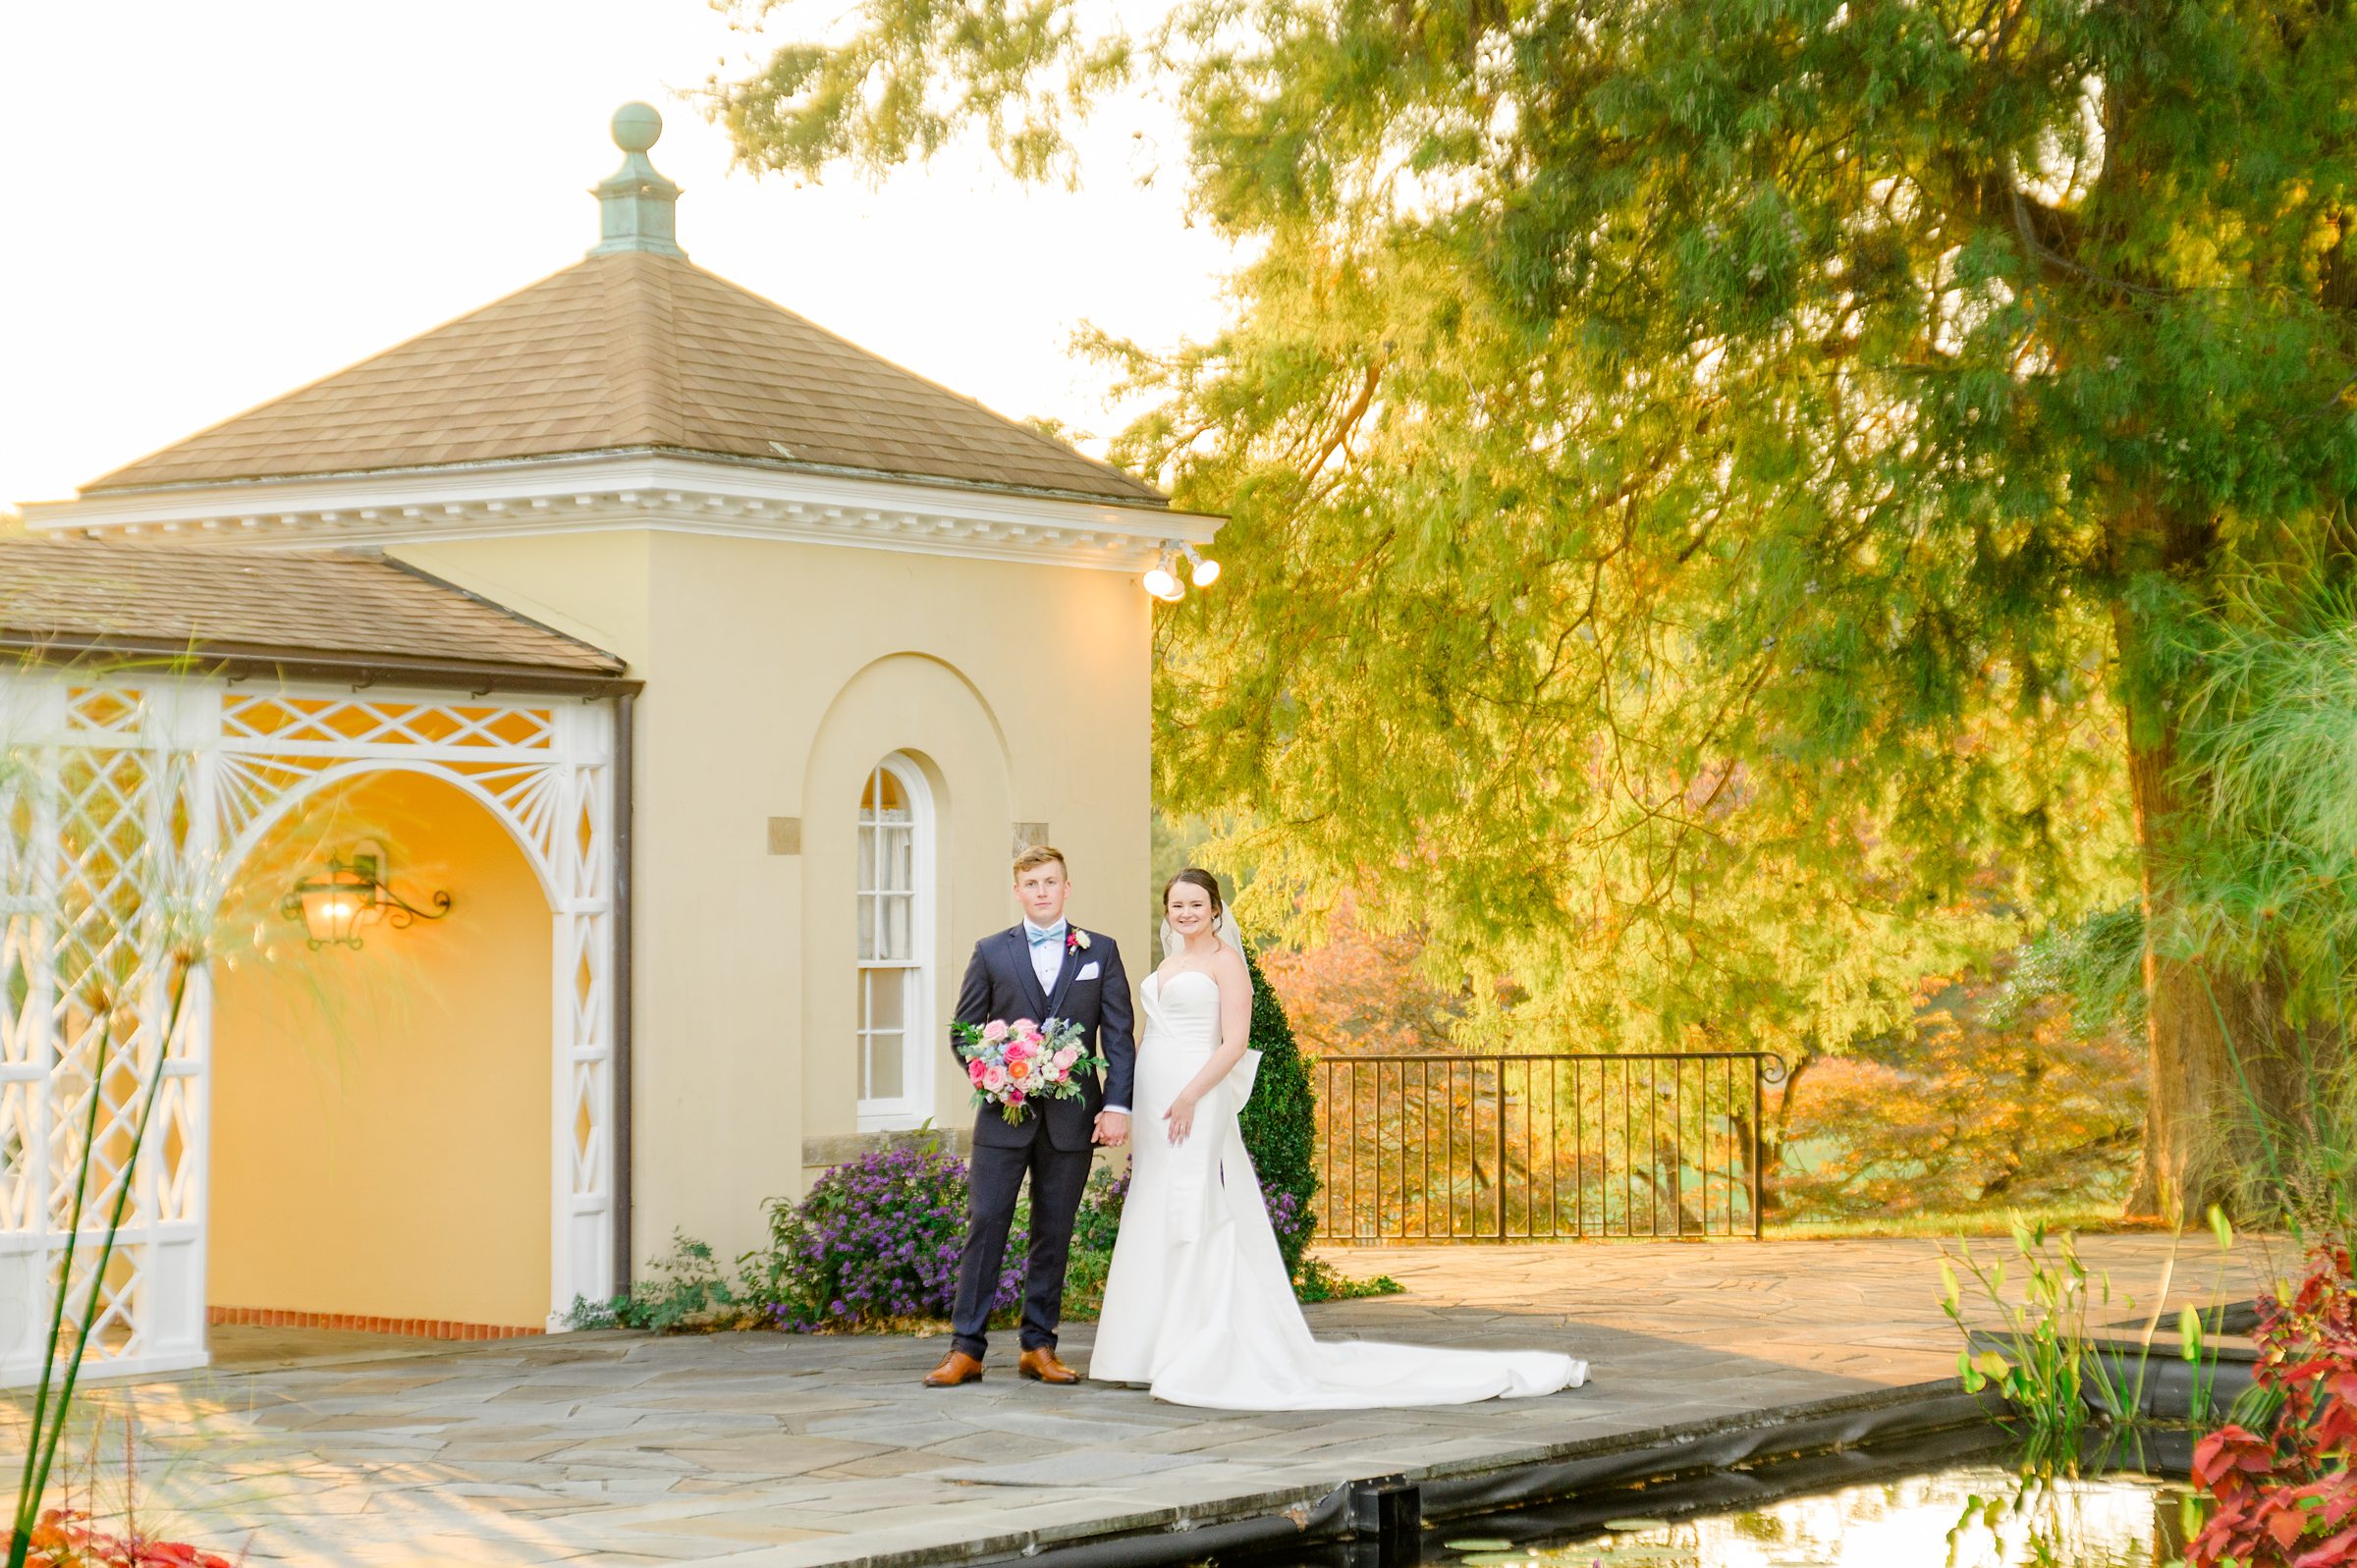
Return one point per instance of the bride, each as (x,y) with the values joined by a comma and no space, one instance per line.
(1197,1304)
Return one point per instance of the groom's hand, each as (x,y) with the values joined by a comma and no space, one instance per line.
(1113,1128)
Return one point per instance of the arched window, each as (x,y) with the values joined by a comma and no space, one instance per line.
(896,923)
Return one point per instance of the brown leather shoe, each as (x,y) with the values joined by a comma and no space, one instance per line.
(955,1368)
(1041,1365)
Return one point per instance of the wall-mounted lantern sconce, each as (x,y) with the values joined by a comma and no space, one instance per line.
(1163,581)
(354,892)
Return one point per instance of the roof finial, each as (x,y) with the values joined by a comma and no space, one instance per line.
(638,209)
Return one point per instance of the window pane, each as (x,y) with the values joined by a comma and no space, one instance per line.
(886,999)
(884,1068)
(884,996)
(899,867)
(890,881)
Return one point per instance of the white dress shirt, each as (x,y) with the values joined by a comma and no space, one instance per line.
(1047,962)
(1047,957)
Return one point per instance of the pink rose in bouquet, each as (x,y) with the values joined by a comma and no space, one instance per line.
(1011,1064)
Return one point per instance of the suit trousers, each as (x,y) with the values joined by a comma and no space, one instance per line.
(995,1178)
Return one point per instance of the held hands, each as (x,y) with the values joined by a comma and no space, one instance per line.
(1113,1128)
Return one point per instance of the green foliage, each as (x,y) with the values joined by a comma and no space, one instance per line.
(1093,1235)
(1099,1223)
(2042,1357)
(1319,1280)
(1719,493)
(2093,964)
(2057,1370)
(865,102)
(1280,1121)
(683,1290)
(2270,726)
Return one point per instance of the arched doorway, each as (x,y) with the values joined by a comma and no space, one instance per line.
(380,1149)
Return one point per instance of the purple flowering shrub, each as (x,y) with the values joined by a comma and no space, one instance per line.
(1292,1222)
(1100,1219)
(875,1246)
(875,1242)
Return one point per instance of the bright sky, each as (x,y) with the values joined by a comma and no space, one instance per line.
(211,205)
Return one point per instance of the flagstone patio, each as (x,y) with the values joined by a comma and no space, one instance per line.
(776,1451)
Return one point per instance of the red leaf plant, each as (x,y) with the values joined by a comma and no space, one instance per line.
(65,1538)
(2289,1500)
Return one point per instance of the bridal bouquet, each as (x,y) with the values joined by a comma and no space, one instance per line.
(1012,1064)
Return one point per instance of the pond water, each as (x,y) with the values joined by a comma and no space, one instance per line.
(1953,1499)
(1967,1516)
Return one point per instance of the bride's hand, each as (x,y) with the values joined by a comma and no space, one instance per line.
(1181,1118)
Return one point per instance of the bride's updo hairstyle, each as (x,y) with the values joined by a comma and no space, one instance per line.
(1196,877)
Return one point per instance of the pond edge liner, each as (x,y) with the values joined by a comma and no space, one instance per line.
(1308,1517)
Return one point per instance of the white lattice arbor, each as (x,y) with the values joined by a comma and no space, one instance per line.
(126,803)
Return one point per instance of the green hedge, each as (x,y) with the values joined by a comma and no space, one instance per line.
(1280,1123)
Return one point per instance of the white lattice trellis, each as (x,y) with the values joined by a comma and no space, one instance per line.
(123,805)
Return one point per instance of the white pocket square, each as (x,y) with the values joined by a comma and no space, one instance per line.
(1088,971)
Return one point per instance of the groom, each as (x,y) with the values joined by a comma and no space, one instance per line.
(1043,968)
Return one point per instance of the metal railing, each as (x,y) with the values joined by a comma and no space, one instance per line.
(1485,1149)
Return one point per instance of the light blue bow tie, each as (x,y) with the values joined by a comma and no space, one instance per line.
(1039,938)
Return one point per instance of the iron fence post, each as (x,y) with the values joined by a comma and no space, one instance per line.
(1756,1067)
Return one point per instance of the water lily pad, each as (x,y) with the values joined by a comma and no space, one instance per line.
(1480,1543)
(1629,1527)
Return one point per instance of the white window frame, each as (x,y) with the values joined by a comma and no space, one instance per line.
(914,1106)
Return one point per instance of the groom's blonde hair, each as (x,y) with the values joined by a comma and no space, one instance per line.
(1040,854)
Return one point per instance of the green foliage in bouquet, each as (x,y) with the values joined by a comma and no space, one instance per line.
(1280,1120)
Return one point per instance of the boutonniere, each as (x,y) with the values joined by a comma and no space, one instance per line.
(1075,941)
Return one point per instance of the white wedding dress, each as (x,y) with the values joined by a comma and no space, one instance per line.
(1199,1305)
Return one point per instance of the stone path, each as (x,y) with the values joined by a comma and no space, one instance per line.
(775,1451)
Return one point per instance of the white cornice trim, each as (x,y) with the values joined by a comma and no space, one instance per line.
(607,493)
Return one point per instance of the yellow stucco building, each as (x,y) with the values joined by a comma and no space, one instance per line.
(713,669)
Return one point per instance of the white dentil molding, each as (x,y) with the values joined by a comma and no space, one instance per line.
(604,493)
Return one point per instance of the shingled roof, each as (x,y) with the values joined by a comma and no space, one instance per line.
(630,351)
(357,614)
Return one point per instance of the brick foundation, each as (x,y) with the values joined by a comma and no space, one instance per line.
(360,1323)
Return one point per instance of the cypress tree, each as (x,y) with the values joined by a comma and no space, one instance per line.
(1280,1121)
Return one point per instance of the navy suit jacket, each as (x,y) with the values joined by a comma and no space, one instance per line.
(1092,990)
